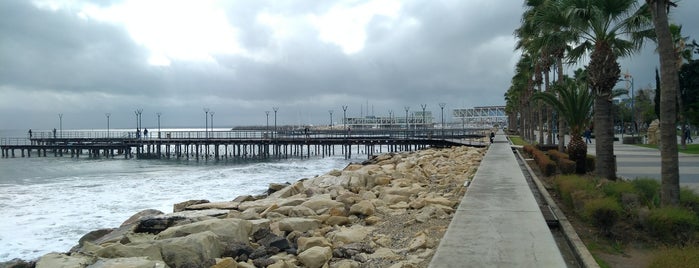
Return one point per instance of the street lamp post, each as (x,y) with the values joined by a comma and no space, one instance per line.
(344,116)
(441,106)
(206,124)
(107,115)
(407,125)
(275,121)
(424,123)
(331,118)
(267,128)
(158,114)
(212,124)
(60,124)
(629,78)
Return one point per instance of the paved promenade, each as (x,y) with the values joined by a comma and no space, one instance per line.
(640,162)
(498,223)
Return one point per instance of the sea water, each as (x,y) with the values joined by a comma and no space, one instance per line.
(48,203)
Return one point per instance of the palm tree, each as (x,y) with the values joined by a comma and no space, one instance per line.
(669,80)
(574,105)
(607,30)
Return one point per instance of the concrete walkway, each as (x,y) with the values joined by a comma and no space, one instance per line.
(498,223)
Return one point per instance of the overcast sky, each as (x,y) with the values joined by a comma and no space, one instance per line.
(241,58)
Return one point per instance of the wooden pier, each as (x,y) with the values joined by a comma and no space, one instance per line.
(234,144)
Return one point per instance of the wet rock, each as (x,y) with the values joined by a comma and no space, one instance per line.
(350,250)
(214,205)
(17,263)
(238,250)
(263,262)
(135,218)
(273,187)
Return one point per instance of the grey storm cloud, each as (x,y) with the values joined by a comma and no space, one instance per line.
(57,60)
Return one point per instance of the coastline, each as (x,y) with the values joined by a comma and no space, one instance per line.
(390,210)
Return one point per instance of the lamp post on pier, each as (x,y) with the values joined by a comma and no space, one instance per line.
(424,123)
(212,123)
(60,124)
(267,128)
(158,114)
(344,116)
(331,118)
(441,106)
(275,121)
(107,115)
(206,124)
(407,125)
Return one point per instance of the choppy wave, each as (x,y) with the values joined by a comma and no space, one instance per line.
(49,203)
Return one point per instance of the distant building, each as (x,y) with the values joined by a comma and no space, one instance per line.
(415,120)
(481,117)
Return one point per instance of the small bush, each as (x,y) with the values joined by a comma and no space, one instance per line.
(673,224)
(556,155)
(568,184)
(566,166)
(546,147)
(528,149)
(689,199)
(546,166)
(649,189)
(603,213)
(590,163)
(616,188)
(676,257)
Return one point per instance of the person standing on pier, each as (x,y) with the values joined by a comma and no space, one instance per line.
(145,133)
(54,133)
(30,133)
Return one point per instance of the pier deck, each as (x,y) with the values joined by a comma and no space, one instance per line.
(235,144)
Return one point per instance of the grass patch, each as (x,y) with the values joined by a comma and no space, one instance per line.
(691,148)
(676,257)
(517,140)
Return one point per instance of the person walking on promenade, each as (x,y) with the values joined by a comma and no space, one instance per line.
(492,136)
(588,135)
(687,136)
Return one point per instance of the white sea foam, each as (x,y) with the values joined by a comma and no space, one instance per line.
(47,204)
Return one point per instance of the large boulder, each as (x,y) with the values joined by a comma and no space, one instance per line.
(352,234)
(57,260)
(364,207)
(298,224)
(150,250)
(195,250)
(305,243)
(315,257)
(183,205)
(227,229)
(135,262)
(322,203)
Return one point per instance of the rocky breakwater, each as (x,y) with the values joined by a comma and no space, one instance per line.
(390,211)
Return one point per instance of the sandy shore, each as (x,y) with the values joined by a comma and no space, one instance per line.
(390,211)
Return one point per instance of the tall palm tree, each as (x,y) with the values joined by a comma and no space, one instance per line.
(669,80)
(607,30)
(573,102)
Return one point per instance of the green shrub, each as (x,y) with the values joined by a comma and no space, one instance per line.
(689,199)
(676,257)
(603,213)
(673,224)
(616,188)
(568,184)
(590,163)
(556,155)
(649,189)
(566,166)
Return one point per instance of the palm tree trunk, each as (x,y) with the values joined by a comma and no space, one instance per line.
(545,109)
(605,163)
(561,121)
(669,166)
